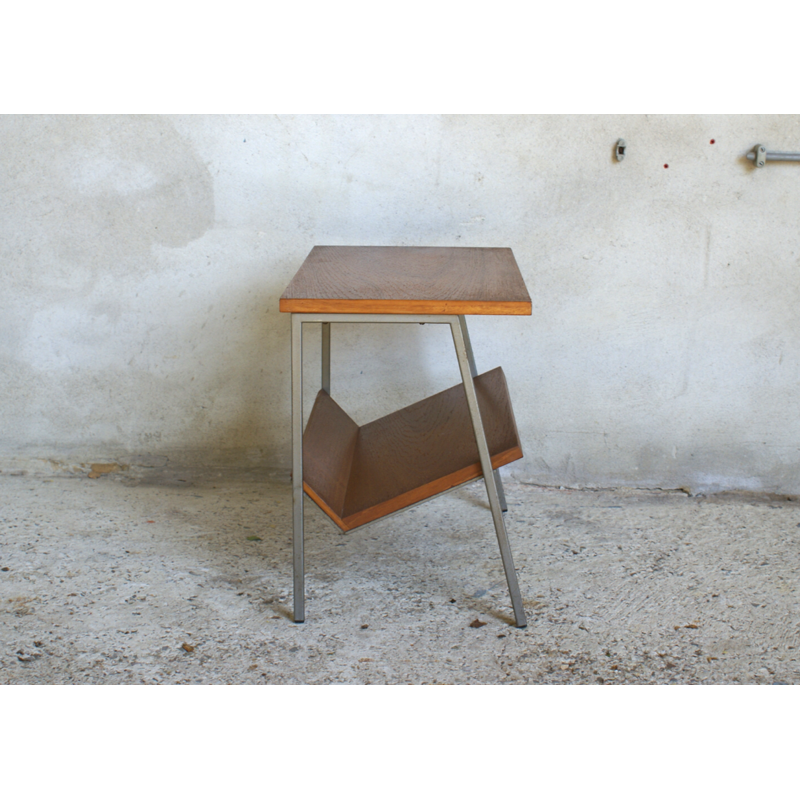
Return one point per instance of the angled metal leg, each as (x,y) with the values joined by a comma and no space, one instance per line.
(500,493)
(326,356)
(462,322)
(462,352)
(297,468)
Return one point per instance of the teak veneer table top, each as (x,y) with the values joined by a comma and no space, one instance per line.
(408,280)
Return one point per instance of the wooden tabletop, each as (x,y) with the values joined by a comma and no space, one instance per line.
(408,280)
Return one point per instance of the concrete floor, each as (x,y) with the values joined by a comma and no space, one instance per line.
(163,577)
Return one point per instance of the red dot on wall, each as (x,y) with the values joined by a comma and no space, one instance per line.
(666,166)
(712,141)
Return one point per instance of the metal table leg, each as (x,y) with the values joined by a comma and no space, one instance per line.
(326,356)
(462,321)
(297,468)
(462,352)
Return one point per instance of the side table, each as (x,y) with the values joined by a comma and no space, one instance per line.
(357,474)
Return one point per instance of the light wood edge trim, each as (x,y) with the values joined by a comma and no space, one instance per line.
(424,492)
(324,506)
(465,307)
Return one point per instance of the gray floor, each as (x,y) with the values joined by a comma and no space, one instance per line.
(171,578)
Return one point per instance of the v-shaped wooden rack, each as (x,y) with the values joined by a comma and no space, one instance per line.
(359,474)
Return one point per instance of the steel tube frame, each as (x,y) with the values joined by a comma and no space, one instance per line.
(326,356)
(462,352)
(462,323)
(466,362)
(297,469)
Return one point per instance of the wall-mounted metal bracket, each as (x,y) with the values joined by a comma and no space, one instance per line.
(619,150)
(760,155)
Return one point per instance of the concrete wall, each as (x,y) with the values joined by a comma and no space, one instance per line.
(142,259)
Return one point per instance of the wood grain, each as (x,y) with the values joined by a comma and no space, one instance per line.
(329,442)
(408,280)
(404,457)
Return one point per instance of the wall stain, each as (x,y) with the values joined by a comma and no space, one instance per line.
(97,193)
